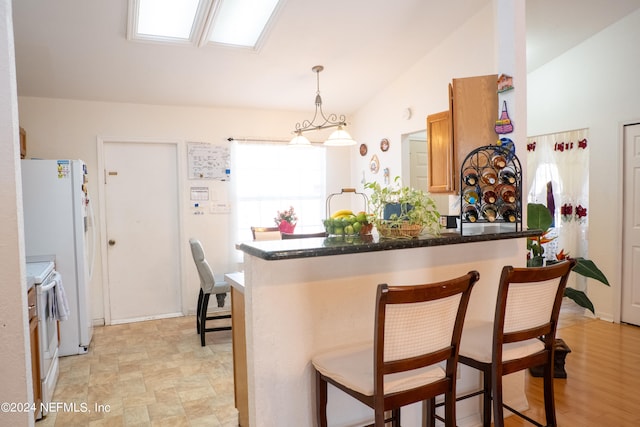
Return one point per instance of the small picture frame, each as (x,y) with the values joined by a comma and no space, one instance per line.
(374,164)
(363,149)
(384,144)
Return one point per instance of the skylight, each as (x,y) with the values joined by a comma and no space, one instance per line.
(167,18)
(241,22)
(230,22)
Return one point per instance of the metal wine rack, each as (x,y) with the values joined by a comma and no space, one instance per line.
(479,161)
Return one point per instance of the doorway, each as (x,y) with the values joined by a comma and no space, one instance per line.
(630,310)
(414,160)
(141,257)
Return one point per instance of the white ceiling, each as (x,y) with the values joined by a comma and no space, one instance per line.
(78,50)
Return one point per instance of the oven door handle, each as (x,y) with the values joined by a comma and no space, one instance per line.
(50,285)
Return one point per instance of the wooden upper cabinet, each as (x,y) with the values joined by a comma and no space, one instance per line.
(440,152)
(474,106)
(23,143)
(453,134)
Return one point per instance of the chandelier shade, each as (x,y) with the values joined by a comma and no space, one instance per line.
(340,137)
(299,140)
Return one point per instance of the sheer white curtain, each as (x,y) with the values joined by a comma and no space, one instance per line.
(270,177)
(558,177)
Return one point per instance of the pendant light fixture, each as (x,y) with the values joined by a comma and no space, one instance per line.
(339,137)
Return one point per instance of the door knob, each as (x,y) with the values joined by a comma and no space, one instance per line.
(112,242)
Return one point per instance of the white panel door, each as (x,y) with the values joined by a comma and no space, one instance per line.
(630,312)
(142,230)
(419,164)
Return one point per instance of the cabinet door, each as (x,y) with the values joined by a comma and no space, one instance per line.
(440,152)
(35,351)
(474,103)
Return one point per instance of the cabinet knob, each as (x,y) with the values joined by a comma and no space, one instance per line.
(112,242)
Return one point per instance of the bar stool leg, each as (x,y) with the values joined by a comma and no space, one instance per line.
(198,311)
(203,318)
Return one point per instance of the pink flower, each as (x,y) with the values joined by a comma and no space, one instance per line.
(286,216)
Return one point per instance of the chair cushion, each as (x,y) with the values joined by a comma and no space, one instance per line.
(477,337)
(353,367)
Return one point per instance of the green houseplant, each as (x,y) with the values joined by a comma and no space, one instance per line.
(401,211)
(539,217)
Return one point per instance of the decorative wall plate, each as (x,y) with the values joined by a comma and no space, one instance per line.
(384,144)
(374,164)
(363,149)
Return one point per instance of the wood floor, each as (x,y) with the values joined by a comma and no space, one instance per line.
(603,384)
(155,374)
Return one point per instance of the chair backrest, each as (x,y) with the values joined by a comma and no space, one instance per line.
(528,303)
(286,236)
(266,233)
(420,325)
(207,280)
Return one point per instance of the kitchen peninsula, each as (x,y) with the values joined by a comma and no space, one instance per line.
(300,297)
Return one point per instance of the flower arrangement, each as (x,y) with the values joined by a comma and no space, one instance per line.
(286,216)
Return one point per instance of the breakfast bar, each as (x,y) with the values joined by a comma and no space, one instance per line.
(299,297)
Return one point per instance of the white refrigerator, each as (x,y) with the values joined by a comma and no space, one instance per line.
(56,225)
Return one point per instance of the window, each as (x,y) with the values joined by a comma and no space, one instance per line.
(239,23)
(558,177)
(269,178)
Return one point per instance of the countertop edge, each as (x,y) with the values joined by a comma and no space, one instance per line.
(289,249)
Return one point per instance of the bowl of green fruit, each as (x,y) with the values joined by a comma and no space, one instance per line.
(347,223)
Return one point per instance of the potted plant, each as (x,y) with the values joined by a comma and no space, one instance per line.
(286,220)
(539,217)
(401,211)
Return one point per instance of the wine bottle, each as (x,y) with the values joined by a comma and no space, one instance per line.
(470,213)
(470,196)
(498,161)
(470,177)
(489,194)
(489,212)
(508,212)
(489,176)
(507,176)
(507,193)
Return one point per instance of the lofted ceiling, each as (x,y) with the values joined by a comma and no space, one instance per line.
(78,50)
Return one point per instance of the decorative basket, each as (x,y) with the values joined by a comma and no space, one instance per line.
(404,231)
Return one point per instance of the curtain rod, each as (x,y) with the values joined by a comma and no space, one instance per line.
(285,141)
(555,133)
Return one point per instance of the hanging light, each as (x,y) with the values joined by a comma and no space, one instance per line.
(339,137)
(299,140)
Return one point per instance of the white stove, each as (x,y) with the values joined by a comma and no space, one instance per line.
(42,273)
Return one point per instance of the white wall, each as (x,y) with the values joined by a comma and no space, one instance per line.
(470,51)
(15,352)
(596,86)
(58,128)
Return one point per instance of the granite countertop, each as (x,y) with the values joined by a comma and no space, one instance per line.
(273,250)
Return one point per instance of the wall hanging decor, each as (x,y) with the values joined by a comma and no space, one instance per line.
(363,149)
(374,164)
(384,144)
(503,124)
(505,83)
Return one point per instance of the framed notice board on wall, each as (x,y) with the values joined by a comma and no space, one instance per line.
(208,161)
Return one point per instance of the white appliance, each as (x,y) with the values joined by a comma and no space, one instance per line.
(43,278)
(55,224)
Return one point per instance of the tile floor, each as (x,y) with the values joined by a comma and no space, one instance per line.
(152,373)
